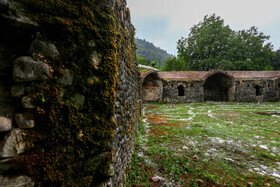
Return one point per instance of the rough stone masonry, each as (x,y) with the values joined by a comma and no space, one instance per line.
(69,92)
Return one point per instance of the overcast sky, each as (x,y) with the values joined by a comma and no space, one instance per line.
(164,22)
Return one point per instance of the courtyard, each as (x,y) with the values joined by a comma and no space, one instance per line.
(207,144)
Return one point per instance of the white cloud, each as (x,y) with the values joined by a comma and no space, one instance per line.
(183,14)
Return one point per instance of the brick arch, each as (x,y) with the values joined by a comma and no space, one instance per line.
(218,86)
(152,86)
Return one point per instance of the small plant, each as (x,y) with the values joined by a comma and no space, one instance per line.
(202,144)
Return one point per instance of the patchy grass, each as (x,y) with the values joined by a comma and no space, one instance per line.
(206,144)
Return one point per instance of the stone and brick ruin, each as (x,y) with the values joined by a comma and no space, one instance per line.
(199,86)
(69,92)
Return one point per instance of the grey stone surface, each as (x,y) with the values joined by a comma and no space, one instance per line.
(4,3)
(44,48)
(5,124)
(27,102)
(111,172)
(24,123)
(79,99)
(17,90)
(193,92)
(95,59)
(6,165)
(16,181)
(91,43)
(26,69)
(12,145)
(265,89)
(255,91)
(66,79)
(14,13)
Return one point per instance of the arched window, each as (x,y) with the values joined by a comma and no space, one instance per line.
(258,90)
(181,90)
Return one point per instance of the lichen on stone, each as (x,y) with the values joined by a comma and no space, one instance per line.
(71,140)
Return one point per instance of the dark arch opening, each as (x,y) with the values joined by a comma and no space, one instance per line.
(216,87)
(151,88)
(181,90)
(258,90)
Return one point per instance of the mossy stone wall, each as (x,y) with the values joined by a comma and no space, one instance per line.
(72,95)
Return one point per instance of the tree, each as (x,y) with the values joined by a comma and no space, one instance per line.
(143,61)
(213,45)
(207,43)
(154,64)
(275,60)
(174,64)
(248,47)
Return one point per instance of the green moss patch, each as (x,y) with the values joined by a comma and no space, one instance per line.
(71,144)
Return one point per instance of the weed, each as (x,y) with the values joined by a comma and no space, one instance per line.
(206,144)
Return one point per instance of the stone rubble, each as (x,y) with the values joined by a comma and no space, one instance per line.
(5,124)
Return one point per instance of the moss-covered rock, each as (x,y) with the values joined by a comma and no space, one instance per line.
(81,55)
(71,141)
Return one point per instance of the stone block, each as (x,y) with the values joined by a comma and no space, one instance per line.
(79,100)
(12,145)
(47,49)
(26,69)
(66,79)
(15,14)
(6,165)
(95,59)
(17,90)
(24,122)
(91,43)
(27,102)
(5,124)
(4,4)
(16,181)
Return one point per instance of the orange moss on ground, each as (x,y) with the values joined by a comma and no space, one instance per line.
(152,107)
(159,124)
(156,119)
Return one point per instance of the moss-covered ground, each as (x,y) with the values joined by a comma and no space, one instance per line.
(208,144)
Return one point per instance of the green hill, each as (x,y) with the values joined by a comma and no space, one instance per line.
(149,51)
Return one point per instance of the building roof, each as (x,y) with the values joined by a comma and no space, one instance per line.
(255,74)
(182,75)
(203,75)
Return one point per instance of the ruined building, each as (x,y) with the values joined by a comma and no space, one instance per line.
(69,92)
(198,86)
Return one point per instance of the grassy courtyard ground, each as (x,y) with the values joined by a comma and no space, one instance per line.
(207,144)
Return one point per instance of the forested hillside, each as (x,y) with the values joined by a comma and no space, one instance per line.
(149,51)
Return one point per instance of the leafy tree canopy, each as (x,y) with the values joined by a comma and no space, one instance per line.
(143,61)
(174,64)
(213,45)
(275,60)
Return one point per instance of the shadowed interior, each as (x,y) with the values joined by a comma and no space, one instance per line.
(216,87)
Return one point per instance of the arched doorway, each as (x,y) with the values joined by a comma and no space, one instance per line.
(258,89)
(181,90)
(152,87)
(217,87)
